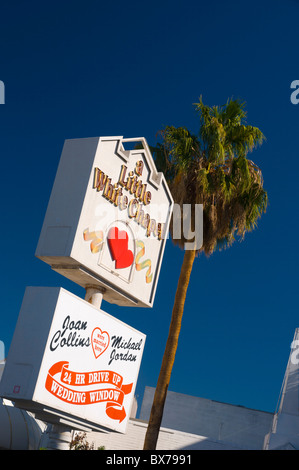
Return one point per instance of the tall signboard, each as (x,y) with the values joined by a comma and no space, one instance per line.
(107,219)
(69,359)
(105,228)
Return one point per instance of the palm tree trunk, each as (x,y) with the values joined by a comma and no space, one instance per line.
(169,353)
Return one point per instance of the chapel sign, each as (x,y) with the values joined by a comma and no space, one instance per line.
(108,219)
(70,361)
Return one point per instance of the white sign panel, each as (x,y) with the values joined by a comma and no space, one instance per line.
(71,359)
(107,220)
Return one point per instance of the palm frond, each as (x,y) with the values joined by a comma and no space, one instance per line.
(212,168)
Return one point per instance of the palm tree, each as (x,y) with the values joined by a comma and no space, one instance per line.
(211,169)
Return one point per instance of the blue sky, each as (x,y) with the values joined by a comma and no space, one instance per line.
(87,69)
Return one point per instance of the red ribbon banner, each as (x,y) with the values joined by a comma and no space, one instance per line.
(112,395)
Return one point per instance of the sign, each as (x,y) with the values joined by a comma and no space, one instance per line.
(69,359)
(108,218)
(2,92)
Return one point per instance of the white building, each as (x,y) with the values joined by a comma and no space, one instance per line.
(284,432)
(18,428)
(192,423)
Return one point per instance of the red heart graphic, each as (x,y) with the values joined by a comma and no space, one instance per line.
(100,341)
(118,244)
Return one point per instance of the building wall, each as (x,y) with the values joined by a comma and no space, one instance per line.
(192,423)
(243,427)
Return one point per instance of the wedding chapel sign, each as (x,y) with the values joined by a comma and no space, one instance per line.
(70,360)
(108,218)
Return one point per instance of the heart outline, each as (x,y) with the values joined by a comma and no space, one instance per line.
(96,353)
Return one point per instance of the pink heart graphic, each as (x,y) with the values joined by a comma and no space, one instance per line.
(100,341)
